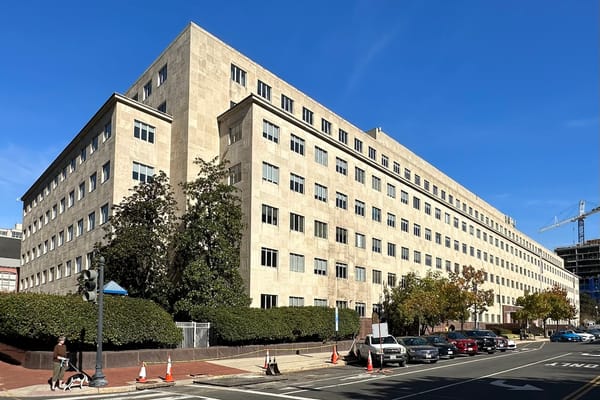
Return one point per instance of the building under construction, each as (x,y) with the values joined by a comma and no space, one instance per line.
(584,260)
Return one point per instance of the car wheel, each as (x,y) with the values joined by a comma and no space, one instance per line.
(471,354)
(503,350)
(434,361)
(403,363)
(451,357)
(490,352)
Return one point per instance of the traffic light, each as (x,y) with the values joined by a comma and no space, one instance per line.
(90,285)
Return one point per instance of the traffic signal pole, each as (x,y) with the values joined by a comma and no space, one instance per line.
(98,379)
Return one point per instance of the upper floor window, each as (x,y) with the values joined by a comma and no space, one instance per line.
(297,144)
(107,131)
(162,75)
(287,104)
(143,131)
(264,90)
(270,131)
(343,136)
(270,215)
(92,185)
(235,133)
(341,166)
(235,174)
(270,173)
(105,172)
(320,192)
(238,75)
(147,90)
(162,107)
(385,161)
(296,183)
(320,156)
(94,144)
(325,126)
(142,173)
(358,145)
(372,153)
(396,168)
(83,155)
(307,115)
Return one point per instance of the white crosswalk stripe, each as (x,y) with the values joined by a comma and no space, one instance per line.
(143,395)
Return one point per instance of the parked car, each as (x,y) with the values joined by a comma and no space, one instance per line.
(485,341)
(464,344)
(419,349)
(510,343)
(595,332)
(383,350)
(445,348)
(565,336)
(585,336)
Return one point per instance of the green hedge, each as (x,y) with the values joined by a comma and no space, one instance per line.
(238,326)
(34,321)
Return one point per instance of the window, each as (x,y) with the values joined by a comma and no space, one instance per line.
(270,131)
(372,153)
(428,260)
(360,241)
(320,266)
(238,75)
(264,90)
(296,262)
(417,230)
(142,173)
(268,257)
(416,203)
(270,173)
(391,191)
(296,183)
(391,249)
(341,166)
(360,274)
(407,173)
(343,136)
(78,264)
(80,227)
(61,238)
(360,309)
(82,156)
(341,235)
(91,221)
(321,156)
(320,303)
(235,133)
(287,104)
(296,222)
(359,175)
(106,172)
(358,145)
(296,301)
(270,215)
(162,75)
(92,182)
(69,233)
(396,168)
(81,191)
(341,270)
(391,279)
(107,131)
(235,174)
(404,253)
(297,144)
(376,245)
(391,220)
(320,192)
(377,277)
(417,257)
(52,242)
(104,214)
(359,208)
(376,214)
(376,183)
(147,90)
(268,301)
(341,200)
(325,126)
(403,197)
(385,161)
(307,115)
(94,145)
(320,229)
(68,268)
(143,131)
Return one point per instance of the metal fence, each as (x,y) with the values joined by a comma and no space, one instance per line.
(195,334)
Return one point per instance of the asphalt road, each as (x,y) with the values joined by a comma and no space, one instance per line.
(543,370)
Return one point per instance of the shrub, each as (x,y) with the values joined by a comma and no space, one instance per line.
(34,321)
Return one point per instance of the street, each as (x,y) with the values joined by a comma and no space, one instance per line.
(566,371)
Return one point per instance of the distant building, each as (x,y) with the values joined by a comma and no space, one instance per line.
(10,258)
(333,213)
(584,261)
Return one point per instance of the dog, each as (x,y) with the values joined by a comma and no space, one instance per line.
(78,379)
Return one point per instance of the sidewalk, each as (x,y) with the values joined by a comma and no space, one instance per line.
(16,381)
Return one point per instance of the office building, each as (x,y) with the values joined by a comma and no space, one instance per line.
(10,258)
(334,213)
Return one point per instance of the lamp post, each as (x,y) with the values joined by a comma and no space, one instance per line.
(475,290)
(596,320)
(98,380)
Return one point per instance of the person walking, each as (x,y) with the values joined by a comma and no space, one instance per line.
(60,363)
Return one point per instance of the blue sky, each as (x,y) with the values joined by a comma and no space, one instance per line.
(500,95)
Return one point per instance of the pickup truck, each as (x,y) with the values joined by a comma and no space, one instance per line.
(392,351)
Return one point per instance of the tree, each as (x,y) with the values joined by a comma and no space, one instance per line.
(469,295)
(208,242)
(559,306)
(533,307)
(137,239)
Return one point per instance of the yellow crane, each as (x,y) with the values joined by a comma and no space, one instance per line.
(579,218)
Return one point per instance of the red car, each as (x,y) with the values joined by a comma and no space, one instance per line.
(464,344)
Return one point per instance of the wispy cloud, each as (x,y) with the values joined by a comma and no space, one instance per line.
(20,167)
(581,122)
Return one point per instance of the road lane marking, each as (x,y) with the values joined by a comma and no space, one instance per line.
(582,391)
(502,383)
(232,389)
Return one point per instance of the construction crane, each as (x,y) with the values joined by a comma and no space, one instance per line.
(579,218)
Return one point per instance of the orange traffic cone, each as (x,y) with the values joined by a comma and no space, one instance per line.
(267,360)
(142,376)
(169,375)
(369,363)
(334,356)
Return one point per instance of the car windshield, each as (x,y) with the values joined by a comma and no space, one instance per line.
(481,333)
(386,340)
(435,339)
(414,341)
(456,335)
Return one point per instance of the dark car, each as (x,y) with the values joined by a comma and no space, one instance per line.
(445,348)
(565,336)
(464,344)
(485,342)
(419,349)
(501,342)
